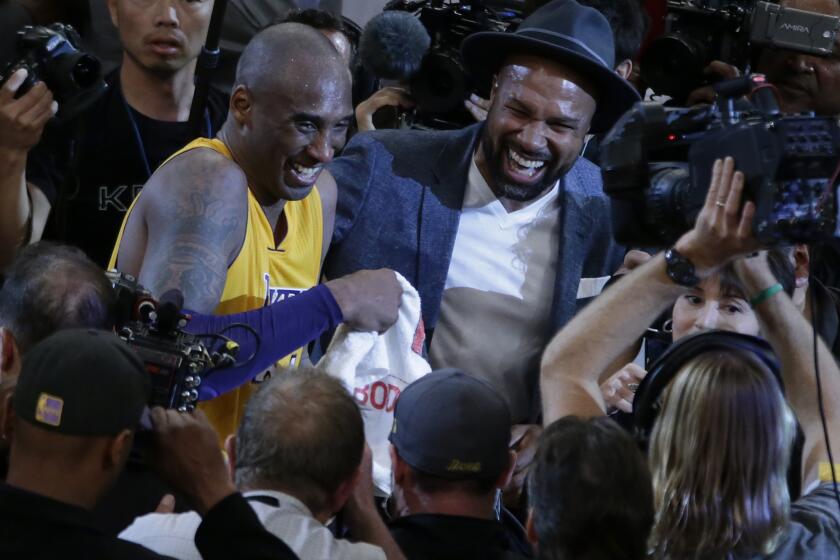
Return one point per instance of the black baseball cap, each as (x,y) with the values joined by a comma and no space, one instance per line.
(452,425)
(82,382)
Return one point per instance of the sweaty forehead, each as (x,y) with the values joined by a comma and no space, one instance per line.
(310,93)
(555,79)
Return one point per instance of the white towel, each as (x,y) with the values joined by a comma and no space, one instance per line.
(376,368)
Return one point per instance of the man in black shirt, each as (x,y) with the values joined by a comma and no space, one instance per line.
(72,422)
(91,169)
(449,448)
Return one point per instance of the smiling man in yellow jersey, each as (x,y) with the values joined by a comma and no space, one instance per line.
(237,222)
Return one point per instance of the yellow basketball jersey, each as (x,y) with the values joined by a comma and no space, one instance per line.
(262,274)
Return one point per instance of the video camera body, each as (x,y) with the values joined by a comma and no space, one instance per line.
(53,54)
(443,83)
(700,31)
(175,360)
(657,162)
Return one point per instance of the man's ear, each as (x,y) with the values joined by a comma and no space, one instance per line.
(241,102)
(504,478)
(530,530)
(9,355)
(112,10)
(400,467)
(624,68)
(345,490)
(494,88)
(117,450)
(801,264)
(7,417)
(230,455)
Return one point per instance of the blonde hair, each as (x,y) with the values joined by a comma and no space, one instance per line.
(719,457)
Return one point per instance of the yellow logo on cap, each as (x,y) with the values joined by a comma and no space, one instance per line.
(49,409)
(463,466)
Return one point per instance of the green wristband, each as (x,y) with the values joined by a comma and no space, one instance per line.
(764,295)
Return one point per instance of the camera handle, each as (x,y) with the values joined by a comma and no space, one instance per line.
(207,62)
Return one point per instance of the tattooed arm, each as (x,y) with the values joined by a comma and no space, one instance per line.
(195,211)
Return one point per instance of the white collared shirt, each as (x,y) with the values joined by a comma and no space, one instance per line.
(173,534)
(496,308)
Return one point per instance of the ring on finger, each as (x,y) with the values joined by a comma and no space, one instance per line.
(720,204)
(633,387)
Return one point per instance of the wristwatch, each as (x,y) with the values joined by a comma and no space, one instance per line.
(680,269)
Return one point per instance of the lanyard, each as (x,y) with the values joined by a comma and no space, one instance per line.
(138,138)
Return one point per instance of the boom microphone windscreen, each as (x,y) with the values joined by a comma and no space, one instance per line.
(393,45)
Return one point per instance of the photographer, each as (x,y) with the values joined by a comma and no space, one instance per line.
(88,170)
(23,207)
(69,444)
(723,419)
(299,458)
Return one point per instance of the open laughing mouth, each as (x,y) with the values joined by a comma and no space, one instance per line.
(304,176)
(521,168)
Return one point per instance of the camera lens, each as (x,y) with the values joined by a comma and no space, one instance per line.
(670,186)
(673,65)
(440,87)
(86,71)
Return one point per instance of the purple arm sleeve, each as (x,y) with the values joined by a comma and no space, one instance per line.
(283,327)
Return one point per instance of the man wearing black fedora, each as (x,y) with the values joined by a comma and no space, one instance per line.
(501,226)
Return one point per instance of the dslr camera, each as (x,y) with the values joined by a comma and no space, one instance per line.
(175,360)
(700,31)
(443,83)
(52,54)
(657,163)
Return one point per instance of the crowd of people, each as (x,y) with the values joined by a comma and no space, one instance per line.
(540,429)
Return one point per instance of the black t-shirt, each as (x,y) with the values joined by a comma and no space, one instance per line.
(443,537)
(93,169)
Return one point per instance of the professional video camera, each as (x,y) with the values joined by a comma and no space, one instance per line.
(52,54)
(657,162)
(700,31)
(442,83)
(175,360)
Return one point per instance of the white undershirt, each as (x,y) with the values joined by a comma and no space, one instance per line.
(497,298)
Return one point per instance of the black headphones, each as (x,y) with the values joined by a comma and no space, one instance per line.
(646,403)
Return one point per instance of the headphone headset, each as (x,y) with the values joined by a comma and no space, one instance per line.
(647,404)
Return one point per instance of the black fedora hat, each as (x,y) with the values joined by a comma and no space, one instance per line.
(563,30)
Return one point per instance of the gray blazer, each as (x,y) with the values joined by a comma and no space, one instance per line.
(399,201)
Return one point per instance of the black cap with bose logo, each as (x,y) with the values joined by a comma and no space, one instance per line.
(452,425)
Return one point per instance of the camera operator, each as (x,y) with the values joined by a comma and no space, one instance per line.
(493,222)
(803,83)
(53,287)
(90,169)
(299,458)
(723,417)
(48,288)
(69,444)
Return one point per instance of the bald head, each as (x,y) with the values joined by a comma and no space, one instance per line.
(289,111)
(289,52)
